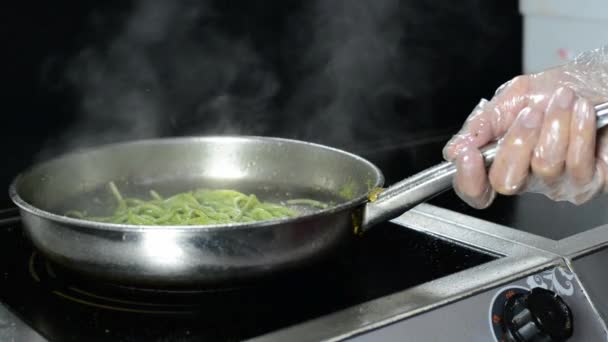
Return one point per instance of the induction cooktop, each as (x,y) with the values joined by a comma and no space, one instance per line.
(62,306)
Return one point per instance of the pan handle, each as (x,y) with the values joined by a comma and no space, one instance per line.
(421,187)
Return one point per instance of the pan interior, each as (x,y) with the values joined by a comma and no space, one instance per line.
(100,202)
(273,169)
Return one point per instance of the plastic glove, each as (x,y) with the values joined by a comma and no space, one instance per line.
(545,125)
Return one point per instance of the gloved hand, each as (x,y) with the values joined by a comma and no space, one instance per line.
(548,143)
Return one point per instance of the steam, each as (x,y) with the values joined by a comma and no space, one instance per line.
(353,56)
(122,94)
(169,69)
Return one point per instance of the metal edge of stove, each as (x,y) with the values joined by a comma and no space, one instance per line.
(570,247)
(12,328)
(584,243)
(582,253)
(480,226)
(519,260)
(586,254)
(590,287)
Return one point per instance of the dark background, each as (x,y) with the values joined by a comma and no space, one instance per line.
(454,54)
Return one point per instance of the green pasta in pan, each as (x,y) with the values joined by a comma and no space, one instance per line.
(198,207)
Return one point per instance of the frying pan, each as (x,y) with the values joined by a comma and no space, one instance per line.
(273,168)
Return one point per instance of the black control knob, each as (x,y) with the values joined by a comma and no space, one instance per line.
(537,316)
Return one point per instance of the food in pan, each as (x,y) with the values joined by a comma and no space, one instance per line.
(198,207)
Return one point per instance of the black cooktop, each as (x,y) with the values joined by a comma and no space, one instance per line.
(64,307)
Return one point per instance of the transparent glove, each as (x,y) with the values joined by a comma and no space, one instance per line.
(548,143)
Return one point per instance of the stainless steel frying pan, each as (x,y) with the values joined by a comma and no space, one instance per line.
(275,169)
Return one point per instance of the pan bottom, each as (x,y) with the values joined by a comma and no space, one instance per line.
(79,289)
(82,289)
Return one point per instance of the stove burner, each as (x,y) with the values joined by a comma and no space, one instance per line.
(116,297)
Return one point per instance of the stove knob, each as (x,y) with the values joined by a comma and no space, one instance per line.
(537,316)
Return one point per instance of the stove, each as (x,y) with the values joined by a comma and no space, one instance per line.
(61,306)
(525,269)
(430,273)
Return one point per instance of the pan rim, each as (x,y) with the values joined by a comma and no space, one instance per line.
(82,223)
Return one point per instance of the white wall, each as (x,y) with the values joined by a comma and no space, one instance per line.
(557,30)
